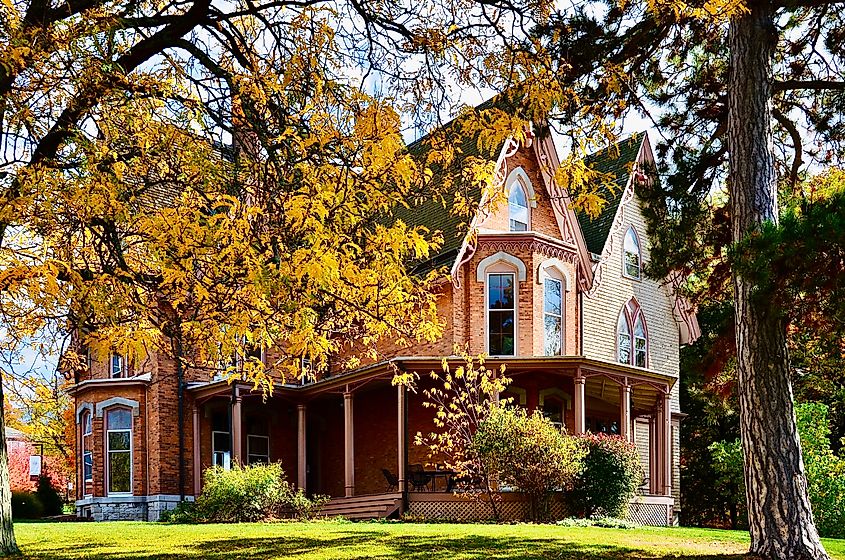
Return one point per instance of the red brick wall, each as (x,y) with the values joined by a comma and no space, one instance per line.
(375,437)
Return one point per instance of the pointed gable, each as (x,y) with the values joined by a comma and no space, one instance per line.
(616,160)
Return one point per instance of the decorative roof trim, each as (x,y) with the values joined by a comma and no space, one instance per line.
(118,401)
(643,154)
(501,256)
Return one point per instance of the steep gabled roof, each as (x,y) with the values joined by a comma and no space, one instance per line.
(434,213)
(616,160)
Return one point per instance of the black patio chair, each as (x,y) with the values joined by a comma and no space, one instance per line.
(418,478)
(392,480)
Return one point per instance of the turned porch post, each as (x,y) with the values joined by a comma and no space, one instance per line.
(237,429)
(580,412)
(667,444)
(349,444)
(401,437)
(301,457)
(196,452)
(625,411)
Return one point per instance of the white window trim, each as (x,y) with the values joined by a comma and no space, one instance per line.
(515,176)
(515,315)
(123,369)
(625,274)
(501,256)
(562,316)
(131,456)
(249,452)
(214,450)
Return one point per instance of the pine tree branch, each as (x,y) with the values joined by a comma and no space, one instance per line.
(787,85)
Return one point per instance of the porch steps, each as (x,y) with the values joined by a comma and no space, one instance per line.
(372,506)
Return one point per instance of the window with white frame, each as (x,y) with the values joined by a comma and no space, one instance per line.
(552,316)
(501,314)
(87,454)
(119,450)
(518,212)
(221,440)
(632,265)
(118,365)
(632,335)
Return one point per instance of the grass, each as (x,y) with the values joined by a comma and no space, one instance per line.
(365,541)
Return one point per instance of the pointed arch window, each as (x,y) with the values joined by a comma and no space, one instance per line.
(632,336)
(518,207)
(632,264)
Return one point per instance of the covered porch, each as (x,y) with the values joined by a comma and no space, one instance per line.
(352,436)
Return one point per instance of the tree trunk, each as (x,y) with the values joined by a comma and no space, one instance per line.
(779,515)
(8,545)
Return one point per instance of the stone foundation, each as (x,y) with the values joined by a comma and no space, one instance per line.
(127,508)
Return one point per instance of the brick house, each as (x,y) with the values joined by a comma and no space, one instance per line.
(558,297)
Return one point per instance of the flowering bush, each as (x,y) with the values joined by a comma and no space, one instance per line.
(529,453)
(609,478)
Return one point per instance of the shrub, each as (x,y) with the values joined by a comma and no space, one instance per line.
(609,479)
(529,453)
(49,497)
(26,505)
(246,494)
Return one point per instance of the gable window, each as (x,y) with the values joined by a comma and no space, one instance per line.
(501,314)
(552,316)
(119,450)
(632,265)
(118,366)
(87,454)
(518,207)
(632,336)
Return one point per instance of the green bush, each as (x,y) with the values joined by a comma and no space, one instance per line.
(609,478)
(529,453)
(49,497)
(825,470)
(246,494)
(26,505)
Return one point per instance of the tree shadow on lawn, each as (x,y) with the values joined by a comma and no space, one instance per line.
(380,544)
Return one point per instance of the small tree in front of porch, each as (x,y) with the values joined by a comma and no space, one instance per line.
(530,453)
(462,400)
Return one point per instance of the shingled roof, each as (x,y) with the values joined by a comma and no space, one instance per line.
(616,160)
(434,213)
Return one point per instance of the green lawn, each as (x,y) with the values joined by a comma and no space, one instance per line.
(322,540)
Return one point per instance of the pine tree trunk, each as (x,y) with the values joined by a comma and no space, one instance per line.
(8,545)
(779,515)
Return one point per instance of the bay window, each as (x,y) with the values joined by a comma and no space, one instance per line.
(501,314)
(119,450)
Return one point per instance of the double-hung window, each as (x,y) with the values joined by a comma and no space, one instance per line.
(632,265)
(552,316)
(87,453)
(118,365)
(501,314)
(518,208)
(119,450)
(632,336)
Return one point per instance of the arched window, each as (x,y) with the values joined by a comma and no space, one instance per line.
(518,207)
(632,265)
(632,336)
(87,453)
(501,274)
(119,450)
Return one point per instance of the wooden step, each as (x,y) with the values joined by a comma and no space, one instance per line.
(364,507)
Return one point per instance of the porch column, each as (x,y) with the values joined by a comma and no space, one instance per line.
(580,412)
(625,411)
(401,436)
(667,444)
(197,462)
(654,471)
(301,457)
(237,427)
(349,444)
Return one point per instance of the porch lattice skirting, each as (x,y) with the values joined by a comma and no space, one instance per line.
(513,506)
